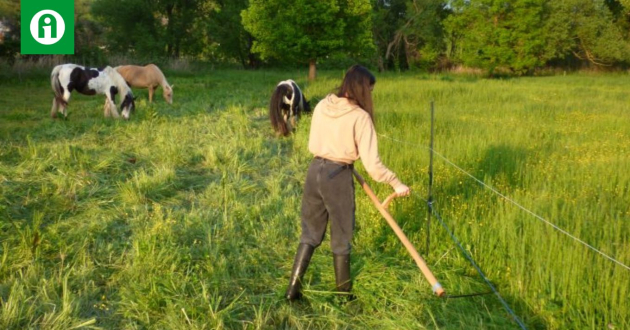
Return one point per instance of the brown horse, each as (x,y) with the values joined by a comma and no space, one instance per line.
(148,76)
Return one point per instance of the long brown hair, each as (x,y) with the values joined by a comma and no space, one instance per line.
(357,87)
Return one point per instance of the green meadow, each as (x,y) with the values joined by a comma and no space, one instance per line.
(187,215)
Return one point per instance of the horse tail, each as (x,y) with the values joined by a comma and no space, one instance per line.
(56,86)
(275,110)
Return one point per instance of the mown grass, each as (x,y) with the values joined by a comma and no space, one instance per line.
(187,216)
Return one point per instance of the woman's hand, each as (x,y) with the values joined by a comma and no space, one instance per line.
(402,190)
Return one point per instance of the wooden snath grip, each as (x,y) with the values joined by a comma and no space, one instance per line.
(382,207)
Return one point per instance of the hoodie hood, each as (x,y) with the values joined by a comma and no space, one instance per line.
(334,106)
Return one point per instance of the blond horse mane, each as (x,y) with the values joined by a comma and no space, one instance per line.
(158,73)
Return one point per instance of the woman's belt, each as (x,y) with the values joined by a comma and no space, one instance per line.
(342,166)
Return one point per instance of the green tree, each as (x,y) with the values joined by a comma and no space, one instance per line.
(586,30)
(87,35)
(409,33)
(130,26)
(166,27)
(303,31)
(497,34)
(186,24)
(387,17)
(10,24)
(421,36)
(620,10)
(226,31)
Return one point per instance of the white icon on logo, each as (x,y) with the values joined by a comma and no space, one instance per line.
(47,31)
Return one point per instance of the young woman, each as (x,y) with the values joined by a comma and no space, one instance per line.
(342,131)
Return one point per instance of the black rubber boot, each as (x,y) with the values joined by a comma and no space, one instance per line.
(342,275)
(302,259)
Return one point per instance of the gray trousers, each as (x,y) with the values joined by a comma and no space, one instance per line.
(328,195)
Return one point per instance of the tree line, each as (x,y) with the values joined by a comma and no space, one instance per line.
(514,37)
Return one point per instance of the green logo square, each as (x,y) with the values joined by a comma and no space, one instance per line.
(47,27)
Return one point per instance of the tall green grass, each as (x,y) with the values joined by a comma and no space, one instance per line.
(187,216)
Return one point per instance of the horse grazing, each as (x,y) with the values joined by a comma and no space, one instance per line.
(148,76)
(287,102)
(68,77)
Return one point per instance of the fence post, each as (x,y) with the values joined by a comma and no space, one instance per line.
(430,194)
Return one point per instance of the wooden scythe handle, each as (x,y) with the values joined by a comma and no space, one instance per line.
(388,200)
(435,285)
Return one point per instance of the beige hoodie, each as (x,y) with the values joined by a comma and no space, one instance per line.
(342,131)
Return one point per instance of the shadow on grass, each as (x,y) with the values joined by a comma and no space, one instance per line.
(500,166)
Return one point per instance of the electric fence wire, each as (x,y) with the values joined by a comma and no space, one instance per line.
(472,261)
(556,227)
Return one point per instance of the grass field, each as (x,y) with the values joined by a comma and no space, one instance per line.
(187,216)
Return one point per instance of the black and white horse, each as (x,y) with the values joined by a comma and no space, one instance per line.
(66,78)
(287,102)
